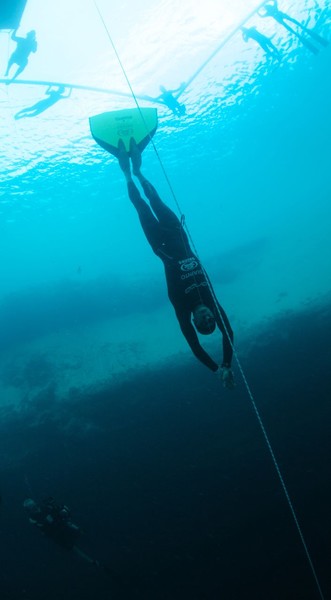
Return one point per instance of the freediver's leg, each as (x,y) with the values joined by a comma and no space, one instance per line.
(149,224)
(164,214)
(11,62)
(19,70)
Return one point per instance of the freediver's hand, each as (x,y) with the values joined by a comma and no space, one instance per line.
(227,377)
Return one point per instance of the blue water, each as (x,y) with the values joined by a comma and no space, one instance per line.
(102,404)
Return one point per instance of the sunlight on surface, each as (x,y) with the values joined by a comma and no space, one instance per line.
(158,44)
(145,36)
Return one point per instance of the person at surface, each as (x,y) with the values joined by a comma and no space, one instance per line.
(20,56)
(251,33)
(270,9)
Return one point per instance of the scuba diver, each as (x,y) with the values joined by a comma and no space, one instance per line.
(270,9)
(20,56)
(53,520)
(251,33)
(189,288)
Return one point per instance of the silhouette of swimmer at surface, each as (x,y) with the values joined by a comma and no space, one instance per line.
(189,289)
(270,9)
(167,97)
(251,33)
(54,95)
(20,56)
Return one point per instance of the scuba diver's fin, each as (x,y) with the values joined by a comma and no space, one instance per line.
(109,128)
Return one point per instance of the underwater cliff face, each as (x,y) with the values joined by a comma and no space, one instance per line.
(171,480)
(102,402)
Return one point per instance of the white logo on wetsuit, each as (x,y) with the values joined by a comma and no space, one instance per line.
(188,264)
(191,274)
(195,286)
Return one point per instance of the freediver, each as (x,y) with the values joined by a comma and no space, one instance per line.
(189,288)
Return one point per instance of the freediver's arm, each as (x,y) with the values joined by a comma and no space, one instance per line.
(179,89)
(225,372)
(151,99)
(270,4)
(245,35)
(15,37)
(224,326)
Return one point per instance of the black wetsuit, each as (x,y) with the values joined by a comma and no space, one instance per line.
(187,282)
